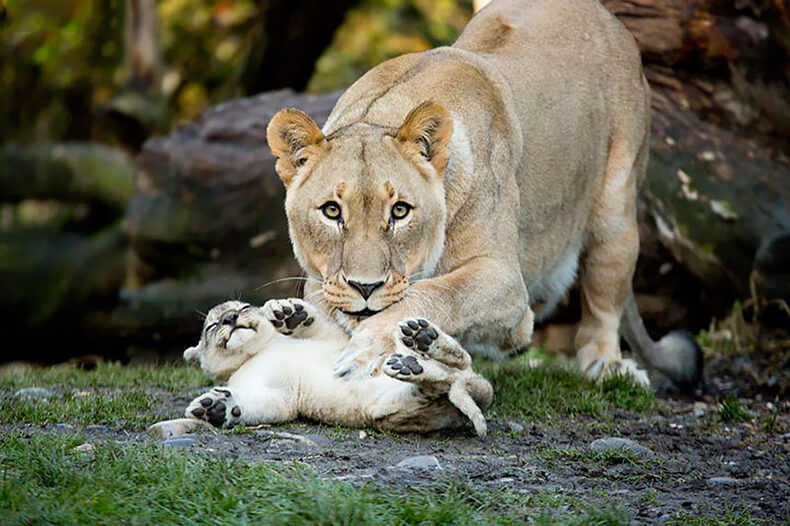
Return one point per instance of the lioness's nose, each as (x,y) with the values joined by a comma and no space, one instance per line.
(230,318)
(366,289)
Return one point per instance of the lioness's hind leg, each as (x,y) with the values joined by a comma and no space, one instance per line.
(607,269)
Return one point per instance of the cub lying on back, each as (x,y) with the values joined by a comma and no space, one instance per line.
(277,361)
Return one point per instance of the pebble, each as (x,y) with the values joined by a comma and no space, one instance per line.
(724,481)
(363,435)
(84,448)
(176,428)
(34,393)
(180,442)
(421,462)
(515,427)
(282,438)
(617,443)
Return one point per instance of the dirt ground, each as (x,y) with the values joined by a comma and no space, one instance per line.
(697,465)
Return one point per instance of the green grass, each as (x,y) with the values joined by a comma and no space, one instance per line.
(599,458)
(121,396)
(556,390)
(110,375)
(129,398)
(133,409)
(730,410)
(43,480)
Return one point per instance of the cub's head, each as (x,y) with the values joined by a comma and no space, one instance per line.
(365,204)
(232,333)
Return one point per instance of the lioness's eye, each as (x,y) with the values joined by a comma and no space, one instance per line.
(331,210)
(400,210)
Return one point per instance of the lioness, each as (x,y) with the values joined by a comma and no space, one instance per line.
(277,365)
(467,184)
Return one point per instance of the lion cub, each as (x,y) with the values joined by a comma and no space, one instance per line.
(277,362)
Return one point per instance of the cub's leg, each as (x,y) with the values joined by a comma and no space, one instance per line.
(439,365)
(297,318)
(226,406)
(607,269)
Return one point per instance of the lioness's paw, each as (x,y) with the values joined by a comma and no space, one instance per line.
(217,407)
(423,336)
(601,369)
(399,366)
(290,316)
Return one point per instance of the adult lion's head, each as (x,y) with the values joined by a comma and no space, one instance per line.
(365,204)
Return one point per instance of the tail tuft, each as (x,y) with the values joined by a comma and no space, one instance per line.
(680,359)
(676,355)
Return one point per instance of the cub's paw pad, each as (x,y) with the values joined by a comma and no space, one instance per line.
(418,334)
(216,407)
(399,365)
(288,316)
(600,370)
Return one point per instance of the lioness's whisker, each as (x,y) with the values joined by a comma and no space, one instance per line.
(290,278)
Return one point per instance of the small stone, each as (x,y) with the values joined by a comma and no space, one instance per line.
(622,444)
(84,448)
(180,442)
(724,481)
(34,393)
(176,428)
(420,462)
(515,427)
(363,435)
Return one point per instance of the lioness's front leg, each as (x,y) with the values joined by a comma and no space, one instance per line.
(483,301)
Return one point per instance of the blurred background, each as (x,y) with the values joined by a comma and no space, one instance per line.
(137,191)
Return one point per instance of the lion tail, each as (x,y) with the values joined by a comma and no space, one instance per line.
(676,355)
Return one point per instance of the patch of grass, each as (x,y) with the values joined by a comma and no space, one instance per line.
(730,410)
(731,517)
(43,480)
(599,458)
(132,409)
(556,390)
(111,375)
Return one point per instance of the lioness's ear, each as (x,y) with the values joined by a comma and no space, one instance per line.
(289,134)
(429,127)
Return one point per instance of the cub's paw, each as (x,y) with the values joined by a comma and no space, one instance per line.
(601,369)
(290,316)
(217,407)
(424,337)
(400,366)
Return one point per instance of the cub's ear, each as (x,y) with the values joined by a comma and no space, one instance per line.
(428,129)
(190,355)
(290,134)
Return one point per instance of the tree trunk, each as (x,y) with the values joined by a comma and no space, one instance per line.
(289,41)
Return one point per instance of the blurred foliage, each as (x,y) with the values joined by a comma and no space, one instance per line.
(63,65)
(381,29)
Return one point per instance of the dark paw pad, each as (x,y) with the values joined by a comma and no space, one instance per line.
(404,365)
(216,414)
(418,333)
(291,318)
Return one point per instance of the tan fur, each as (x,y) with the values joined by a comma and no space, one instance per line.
(548,112)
